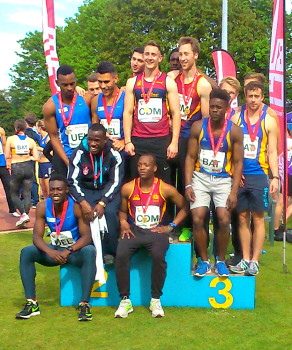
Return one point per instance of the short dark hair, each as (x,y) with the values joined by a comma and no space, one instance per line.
(171,52)
(153,43)
(253,85)
(92,78)
(59,177)
(106,67)
(139,50)
(149,155)
(221,94)
(64,70)
(20,125)
(98,127)
(190,40)
(30,118)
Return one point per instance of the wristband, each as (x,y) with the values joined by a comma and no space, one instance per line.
(172,224)
(128,143)
(169,228)
(102,203)
(70,249)
(276,177)
(187,186)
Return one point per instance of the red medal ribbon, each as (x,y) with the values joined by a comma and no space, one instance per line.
(155,181)
(95,174)
(187,98)
(215,150)
(228,114)
(65,120)
(253,134)
(63,215)
(147,98)
(109,116)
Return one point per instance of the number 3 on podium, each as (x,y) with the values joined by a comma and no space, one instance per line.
(225,292)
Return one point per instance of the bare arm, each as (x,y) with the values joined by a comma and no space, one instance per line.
(204,89)
(272,129)
(49,112)
(88,100)
(128,116)
(94,102)
(173,100)
(84,229)
(7,151)
(3,137)
(35,153)
(123,214)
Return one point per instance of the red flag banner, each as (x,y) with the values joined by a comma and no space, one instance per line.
(276,75)
(225,66)
(49,39)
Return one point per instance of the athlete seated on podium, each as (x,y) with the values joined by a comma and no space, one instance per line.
(142,209)
(70,244)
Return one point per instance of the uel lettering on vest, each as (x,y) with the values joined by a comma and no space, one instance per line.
(213,162)
(77,137)
(112,132)
(149,111)
(151,218)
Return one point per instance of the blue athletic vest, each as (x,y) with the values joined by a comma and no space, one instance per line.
(70,222)
(206,163)
(42,142)
(2,157)
(115,129)
(78,126)
(254,161)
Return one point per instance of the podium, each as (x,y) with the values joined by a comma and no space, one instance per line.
(181,288)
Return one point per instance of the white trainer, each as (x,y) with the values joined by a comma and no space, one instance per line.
(156,308)
(15,214)
(124,309)
(23,220)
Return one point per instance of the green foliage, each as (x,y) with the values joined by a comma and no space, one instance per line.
(110,30)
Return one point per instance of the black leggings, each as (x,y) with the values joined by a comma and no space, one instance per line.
(21,176)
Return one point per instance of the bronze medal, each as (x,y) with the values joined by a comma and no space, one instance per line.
(67,131)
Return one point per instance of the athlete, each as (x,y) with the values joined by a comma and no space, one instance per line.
(214,143)
(260,140)
(232,86)
(4,174)
(108,107)
(95,176)
(144,202)
(45,166)
(173,60)
(137,61)
(18,148)
(92,86)
(70,244)
(67,118)
(194,92)
(146,120)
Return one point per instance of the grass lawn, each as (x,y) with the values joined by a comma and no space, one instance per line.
(266,327)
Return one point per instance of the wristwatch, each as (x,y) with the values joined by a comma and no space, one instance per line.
(102,203)
(70,249)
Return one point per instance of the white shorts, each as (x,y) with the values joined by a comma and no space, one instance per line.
(208,186)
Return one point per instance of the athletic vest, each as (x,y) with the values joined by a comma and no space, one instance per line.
(70,232)
(21,145)
(151,119)
(193,106)
(155,210)
(72,134)
(42,142)
(115,129)
(254,161)
(207,162)
(2,157)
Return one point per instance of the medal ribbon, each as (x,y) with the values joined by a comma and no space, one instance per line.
(215,150)
(187,98)
(228,114)
(109,116)
(147,97)
(63,215)
(94,167)
(155,181)
(65,120)
(253,134)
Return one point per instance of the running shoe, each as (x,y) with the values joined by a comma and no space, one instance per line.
(241,267)
(85,314)
(221,269)
(253,269)
(203,268)
(156,308)
(233,261)
(185,235)
(15,214)
(124,308)
(24,218)
(31,308)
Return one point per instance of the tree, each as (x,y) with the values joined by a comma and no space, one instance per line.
(6,113)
